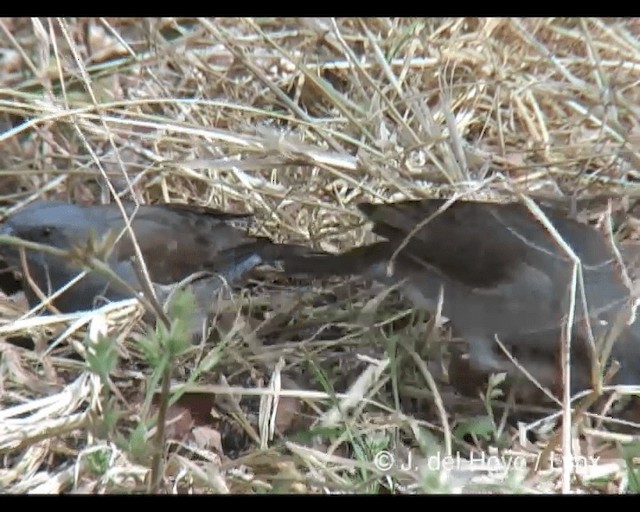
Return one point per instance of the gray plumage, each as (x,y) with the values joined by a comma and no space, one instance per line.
(501,272)
(175,241)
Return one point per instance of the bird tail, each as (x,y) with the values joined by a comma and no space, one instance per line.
(322,264)
(300,261)
(242,258)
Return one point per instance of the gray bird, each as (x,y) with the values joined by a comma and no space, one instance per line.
(502,275)
(176,241)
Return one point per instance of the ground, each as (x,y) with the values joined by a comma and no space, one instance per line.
(304,386)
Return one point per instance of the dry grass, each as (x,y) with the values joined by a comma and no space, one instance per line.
(297,120)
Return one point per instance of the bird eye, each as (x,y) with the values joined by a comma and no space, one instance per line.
(45,232)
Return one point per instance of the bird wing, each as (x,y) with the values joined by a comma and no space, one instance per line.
(466,242)
(177,240)
(501,267)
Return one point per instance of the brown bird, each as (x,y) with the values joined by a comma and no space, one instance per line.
(502,275)
(175,240)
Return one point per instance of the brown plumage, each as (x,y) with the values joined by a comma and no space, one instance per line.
(501,271)
(175,240)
